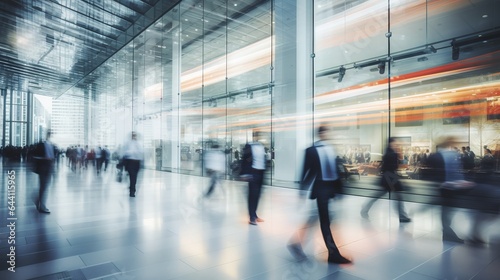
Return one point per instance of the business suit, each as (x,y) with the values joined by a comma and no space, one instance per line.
(445,167)
(253,166)
(44,162)
(319,160)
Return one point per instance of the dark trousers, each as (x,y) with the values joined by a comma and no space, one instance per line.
(132,167)
(398,200)
(325,191)
(98,163)
(214,180)
(254,190)
(44,173)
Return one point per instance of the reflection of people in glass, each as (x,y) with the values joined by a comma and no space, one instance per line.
(488,161)
(132,156)
(390,182)
(494,109)
(320,173)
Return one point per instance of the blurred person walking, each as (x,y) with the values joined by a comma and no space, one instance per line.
(106,155)
(390,182)
(253,165)
(44,155)
(446,171)
(320,175)
(98,159)
(133,154)
(215,164)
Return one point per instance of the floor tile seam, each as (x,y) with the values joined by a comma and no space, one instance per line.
(96,229)
(429,260)
(411,271)
(55,249)
(47,249)
(194,268)
(216,250)
(225,248)
(235,261)
(479,272)
(270,270)
(155,265)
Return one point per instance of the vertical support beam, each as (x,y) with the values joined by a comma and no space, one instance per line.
(10,116)
(292,105)
(4,123)
(29,120)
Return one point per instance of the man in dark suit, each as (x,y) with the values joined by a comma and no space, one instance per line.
(446,171)
(253,165)
(133,154)
(320,170)
(44,155)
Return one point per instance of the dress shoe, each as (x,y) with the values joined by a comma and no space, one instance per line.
(404,220)
(43,210)
(259,220)
(475,240)
(364,215)
(253,223)
(452,238)
(338,259)
(132,195)
(296,251)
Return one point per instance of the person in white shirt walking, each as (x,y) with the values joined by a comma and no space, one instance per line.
(132,156)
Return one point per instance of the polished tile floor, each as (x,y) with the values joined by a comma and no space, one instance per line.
(96,231)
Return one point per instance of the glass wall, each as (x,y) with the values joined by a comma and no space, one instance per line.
(15,117)
(418,71)
(221,72)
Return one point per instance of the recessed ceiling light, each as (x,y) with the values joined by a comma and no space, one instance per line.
(485,16)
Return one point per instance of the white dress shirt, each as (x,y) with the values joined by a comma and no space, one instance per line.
(327,160)
(258,156)
(132,150)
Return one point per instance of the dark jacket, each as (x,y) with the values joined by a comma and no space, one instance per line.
(436,173)
(312,176)
(246,160)
(390,160)
(390,178)
(41,164)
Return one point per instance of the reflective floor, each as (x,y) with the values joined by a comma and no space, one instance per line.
(96,231)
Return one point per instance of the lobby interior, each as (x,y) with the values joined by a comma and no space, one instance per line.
(189,74)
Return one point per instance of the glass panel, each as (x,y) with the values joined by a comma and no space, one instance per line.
(249,56)
(450,90)
(191,105)
(349,32)
(168,50)
(351,84)
(214,80)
